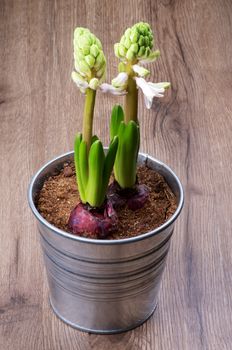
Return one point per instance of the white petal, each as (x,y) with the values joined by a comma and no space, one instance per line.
(120,80)
(157,92)
(107,88)
(78,69)
(143,85)
(142,72)
(164,85)
(81,83)
(148,102)
(151,90)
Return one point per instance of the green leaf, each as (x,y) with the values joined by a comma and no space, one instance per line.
(109,163)
(117,116)
(96,166)
(119,157)
(83,160)
(131,137)
(81,188)
(126,159)
(94,138)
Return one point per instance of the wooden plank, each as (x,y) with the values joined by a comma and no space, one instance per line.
(190,129)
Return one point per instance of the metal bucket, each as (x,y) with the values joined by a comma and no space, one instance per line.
(104,286)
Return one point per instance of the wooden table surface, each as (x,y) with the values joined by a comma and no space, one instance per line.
(190,129)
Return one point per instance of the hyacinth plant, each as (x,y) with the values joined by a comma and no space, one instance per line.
(134,49)
(94,215)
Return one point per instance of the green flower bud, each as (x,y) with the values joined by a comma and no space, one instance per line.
(136,43)
(147,52)
(143,28)
(134,37)
(100,61)
(141,51)
(130,55)
(127,42)
(84,41)
(79,31)
(101,72)
(116,50)
(128,32)
(98,43)
(122,41)
(85,50)
(84,68)
(78,56)
(94,50)
(89,58)
(146,41)
(94,83)
(121,67)
(122,50)
(141,41)
(134,48)
(93,39)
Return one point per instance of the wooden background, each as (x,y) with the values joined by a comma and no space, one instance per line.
(190,129)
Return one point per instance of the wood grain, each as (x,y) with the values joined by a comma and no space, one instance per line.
(190,129)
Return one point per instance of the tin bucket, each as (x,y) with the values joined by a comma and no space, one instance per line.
(104,286)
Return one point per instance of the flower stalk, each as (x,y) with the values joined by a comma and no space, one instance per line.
(88,117)
(131,98)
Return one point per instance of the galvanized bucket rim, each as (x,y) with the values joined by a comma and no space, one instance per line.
(105,241)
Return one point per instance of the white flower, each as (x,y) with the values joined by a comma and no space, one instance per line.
(120,81)
(142,72)
(79,81)
(113,90)
(82,84)
(119,85)
(151,90)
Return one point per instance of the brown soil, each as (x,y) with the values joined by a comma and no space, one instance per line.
(59,196)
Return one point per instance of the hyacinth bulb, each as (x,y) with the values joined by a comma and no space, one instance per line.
(93,222)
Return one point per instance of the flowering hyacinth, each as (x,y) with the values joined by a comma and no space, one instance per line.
(94,215)
(134,49)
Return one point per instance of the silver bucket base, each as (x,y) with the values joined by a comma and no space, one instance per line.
(99,331)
